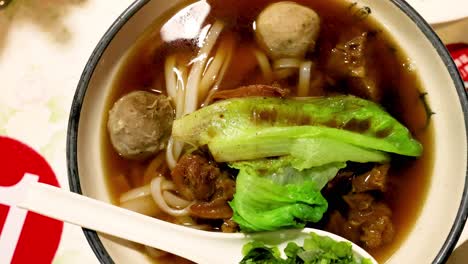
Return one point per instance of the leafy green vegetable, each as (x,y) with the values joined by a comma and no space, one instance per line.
(311,138)
(288,170)
(280,192)
(316,250)
(258,253)
(250,128)
(279,142)
(259,204)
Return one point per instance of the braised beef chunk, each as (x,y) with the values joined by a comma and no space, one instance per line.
(251,90)
(368,223)
(372,219)
(199,179)
(225,188)
(217,207)
(348,62)
(348,58)
(356,210)
(195,177)
(229,226)
(359,201)
(379,229)
(374,180)
(340,225)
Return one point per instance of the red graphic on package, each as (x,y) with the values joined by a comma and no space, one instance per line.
(25,237)
(459,52)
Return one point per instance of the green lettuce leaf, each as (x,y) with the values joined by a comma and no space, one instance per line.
(259,204)
(254,127)
(289,170)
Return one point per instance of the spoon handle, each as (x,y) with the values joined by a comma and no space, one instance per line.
(196,245)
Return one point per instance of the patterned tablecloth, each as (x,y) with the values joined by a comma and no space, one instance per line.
(44,45)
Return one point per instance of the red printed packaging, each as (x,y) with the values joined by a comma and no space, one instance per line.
(459,52)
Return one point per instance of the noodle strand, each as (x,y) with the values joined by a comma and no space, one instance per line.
(304,78)
(174,200)
(169,67)
(287,63)
(191,95)
(227,62)
(156,192)
(170,157)
(135,193)
(264,64)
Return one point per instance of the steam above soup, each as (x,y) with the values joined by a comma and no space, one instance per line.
(241,116)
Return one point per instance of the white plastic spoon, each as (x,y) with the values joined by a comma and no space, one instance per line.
(196,245)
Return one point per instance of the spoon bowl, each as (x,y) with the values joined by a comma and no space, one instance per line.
(93,214)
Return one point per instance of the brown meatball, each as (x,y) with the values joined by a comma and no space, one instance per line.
(140,124)
(287,29)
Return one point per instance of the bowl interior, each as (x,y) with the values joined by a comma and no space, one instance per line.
(445,193)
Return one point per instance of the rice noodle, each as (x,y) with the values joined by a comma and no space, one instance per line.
(154,168)
(169,75)
(284,73)
(135,193)
(167,186)
(174,200)
(227,62)
(264,64)
(180,103)
(209,77)
(180,88)
(304,78)
(156,192)
(170,157)
(180,93)
(186,91)
(143,205)
(193,81)
(209,96)
(208,63)
(287,63)
(145,190)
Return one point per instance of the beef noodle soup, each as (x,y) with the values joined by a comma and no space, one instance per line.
(222,104)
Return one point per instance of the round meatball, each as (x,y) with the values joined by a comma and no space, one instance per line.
(140,124)
(287,30)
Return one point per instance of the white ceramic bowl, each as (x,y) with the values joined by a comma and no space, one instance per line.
(445,210)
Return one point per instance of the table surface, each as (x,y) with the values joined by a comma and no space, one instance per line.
(44,46)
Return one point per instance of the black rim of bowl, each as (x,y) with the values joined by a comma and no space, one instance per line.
(72,133)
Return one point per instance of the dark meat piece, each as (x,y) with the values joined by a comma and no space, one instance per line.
(340,226)
(225,188)
(359,201)
(347,58)
(372,219)
(356,212)
(374,180)
(251,90)
(195,177)
(199,179)
(229,226)
(348,62)
(217,208)
(377,232)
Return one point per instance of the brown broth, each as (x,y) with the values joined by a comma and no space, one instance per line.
(144,67)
